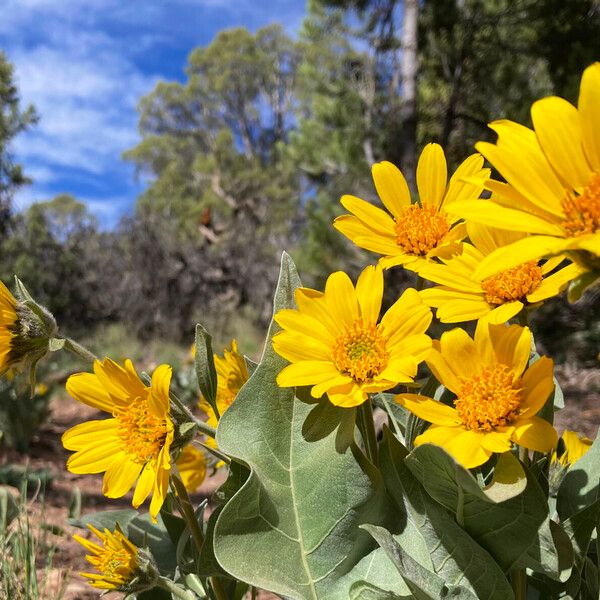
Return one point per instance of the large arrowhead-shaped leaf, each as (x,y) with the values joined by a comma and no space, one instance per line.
(293,527)
(581,486)
(433,539)
(516,531)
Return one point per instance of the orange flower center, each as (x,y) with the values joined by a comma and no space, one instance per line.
(488,400)
(360,352)
(142,433)
(420,229)
(513,284)
(582,213)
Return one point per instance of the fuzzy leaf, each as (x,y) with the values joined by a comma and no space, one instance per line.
(293,526)
(432,537)
(522,518)
(205,367)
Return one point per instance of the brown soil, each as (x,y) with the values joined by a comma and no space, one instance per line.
(582,413)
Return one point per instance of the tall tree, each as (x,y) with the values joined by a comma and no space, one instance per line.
(13,120)
(213,147)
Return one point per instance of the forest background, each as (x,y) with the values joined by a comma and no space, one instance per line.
(250,155)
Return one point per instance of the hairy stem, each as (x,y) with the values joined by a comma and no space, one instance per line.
(79,351)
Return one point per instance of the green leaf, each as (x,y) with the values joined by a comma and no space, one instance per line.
(580,487)
(522,518)
(144,533)
(205,367)
(424,584)
(293,526)
(105,519)
(432,537)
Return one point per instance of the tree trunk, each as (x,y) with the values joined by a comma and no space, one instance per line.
(408,111)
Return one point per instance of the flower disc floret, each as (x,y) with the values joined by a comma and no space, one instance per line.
(420,229)
(142,433)
(360,352)
(582,212)
(488,399)
(513,284)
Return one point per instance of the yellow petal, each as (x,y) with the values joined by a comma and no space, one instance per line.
(537,385)
(512,346)
(407,316)
(144,486)
(472,170)
(460,352)
(521,251)
(556,125)
(391,187)
(347,396)
(429,410)
(520,160)
(374,217)
(307,372)
(589,114)
(554,284)
(341,298)
(294,346)
(441,369)
(535,434)
(488,212)
(487,239)
(365,237)
(95,458)
(432,175)
(504,312)
(369,291)
(122,383)
(158,400)
(335,381)
(81,435)
(313,304)
(120,477)
(86,388)
(161,486)
(463,445)
(497,441)
(303,324)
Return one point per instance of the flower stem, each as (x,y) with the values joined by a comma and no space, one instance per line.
(187,512)
(366,426)
(176,590)
(80,351)
(200,424)
(518,578)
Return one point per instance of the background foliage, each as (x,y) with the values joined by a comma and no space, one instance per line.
(251,153)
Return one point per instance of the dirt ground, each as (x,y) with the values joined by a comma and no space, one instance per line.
(581,389)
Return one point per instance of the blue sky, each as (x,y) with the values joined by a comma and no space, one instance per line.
(85,64)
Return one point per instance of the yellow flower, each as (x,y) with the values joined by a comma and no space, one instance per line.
(192,467)
(132,445)
(232,373)
(116,560)
(463,297)
(497,395)
(8,325)
(573,448)
(335,343)
(413,233)
(553,182)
